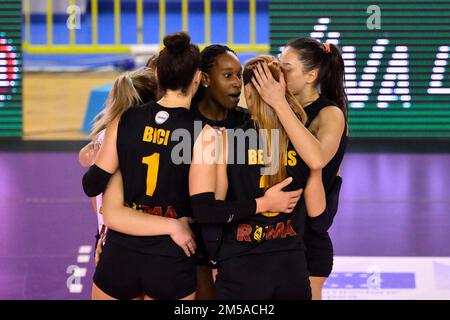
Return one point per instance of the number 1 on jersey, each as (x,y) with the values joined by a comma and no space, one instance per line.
(152,163)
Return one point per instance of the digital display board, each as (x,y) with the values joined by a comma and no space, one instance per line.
(10,69)
(396,55)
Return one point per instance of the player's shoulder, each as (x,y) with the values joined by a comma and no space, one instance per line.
(135,111)
(241,114)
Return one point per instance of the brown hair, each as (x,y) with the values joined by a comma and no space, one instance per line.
(327,58)
(177,62)
(266,118)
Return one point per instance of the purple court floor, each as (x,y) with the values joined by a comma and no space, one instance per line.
(391,205)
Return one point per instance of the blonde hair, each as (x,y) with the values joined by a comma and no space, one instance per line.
(265,117)
(129,89)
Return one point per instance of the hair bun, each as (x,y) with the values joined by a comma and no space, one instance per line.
(177,43)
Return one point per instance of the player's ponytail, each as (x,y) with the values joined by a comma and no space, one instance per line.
(331,76)
(177,63)
(129,89)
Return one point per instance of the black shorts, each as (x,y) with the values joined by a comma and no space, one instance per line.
(271,276)
(126,274)
(319,247)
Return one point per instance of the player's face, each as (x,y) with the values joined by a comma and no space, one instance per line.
(225,80)
(295,72)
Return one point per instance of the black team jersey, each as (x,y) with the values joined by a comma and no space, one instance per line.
(331,169)
(268,232)
(211,233)
(154,181)
(235,118)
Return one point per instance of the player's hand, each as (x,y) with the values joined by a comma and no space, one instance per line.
(87,155)
(278,200)
(183,236)
(271,91)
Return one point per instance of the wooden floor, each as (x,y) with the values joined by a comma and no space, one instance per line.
(55,103)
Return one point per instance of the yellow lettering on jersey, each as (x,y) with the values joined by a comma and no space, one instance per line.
(260,156)
(292,160)
(156,136)
(263,182)
(148,134)
(251,156)
(255,156)
(152,163)
(166,140)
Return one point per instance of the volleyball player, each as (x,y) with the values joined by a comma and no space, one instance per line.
(315,75)
(216,104)
(133,88)
(138,225)
(261,255)
(140,145)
